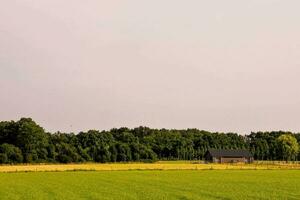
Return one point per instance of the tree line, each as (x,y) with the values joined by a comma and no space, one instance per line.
(24,141)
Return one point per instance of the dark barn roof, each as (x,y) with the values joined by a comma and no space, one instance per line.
(229,153)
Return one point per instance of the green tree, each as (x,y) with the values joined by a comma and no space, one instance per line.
(32,140)
(288,146)
(10,154)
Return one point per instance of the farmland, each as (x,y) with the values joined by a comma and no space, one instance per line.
(157,184)
(161,165)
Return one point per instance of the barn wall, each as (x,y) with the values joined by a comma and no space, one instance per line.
(233,160)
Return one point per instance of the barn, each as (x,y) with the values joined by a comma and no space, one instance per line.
(228,156)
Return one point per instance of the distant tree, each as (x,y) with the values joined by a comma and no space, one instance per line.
(66,153)
(32,140)
(288,146)
(3,158)
(124,152)
(10,154)
(8,132)
(26,141)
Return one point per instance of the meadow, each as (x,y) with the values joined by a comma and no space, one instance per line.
(155,184)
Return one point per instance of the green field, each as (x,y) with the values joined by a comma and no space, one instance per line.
(186,184)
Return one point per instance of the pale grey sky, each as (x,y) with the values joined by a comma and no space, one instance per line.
(217,65)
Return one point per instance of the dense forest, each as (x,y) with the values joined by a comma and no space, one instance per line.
(24,141)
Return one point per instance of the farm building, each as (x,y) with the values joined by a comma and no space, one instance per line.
(228,156)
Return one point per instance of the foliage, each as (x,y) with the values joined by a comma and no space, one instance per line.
(288,147)
(10,154)
(26,141)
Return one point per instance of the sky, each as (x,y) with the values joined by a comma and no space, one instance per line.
(227,66)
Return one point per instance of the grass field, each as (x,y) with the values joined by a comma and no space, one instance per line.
(183,184)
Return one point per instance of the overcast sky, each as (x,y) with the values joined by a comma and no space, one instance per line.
(217,65)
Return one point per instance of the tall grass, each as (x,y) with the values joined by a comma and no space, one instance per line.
(162,165)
